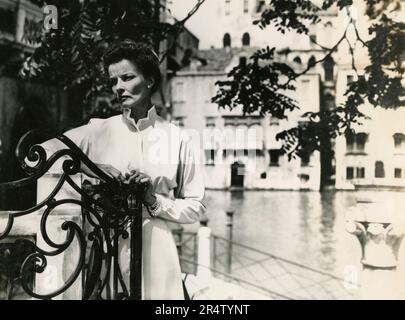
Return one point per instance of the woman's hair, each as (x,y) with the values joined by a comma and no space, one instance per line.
(141,54)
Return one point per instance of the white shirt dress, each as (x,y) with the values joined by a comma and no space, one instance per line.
(160,150)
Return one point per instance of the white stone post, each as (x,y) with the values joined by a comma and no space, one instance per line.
(204,253)
(60,267)
(380,235)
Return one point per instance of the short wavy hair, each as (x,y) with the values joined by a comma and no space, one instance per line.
(141,54)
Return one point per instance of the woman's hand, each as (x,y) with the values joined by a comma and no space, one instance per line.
(107,169)
(137,177)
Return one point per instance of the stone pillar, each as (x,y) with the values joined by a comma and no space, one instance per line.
(59,267)
(380,235)
(204,253)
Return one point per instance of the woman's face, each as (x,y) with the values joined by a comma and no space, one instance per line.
(129,84)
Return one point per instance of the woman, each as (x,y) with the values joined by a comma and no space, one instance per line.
(140,147)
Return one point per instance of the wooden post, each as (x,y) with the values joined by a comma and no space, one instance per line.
(229,227)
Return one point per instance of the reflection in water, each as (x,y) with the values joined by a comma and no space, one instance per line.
(307,227)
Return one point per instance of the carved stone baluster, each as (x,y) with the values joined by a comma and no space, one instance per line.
(380,235)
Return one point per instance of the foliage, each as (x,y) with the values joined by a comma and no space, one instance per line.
(260,84)
(71,55)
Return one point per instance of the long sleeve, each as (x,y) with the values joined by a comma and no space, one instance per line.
(187,207)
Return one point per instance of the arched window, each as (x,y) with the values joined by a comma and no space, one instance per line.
(297,59)
(242,61)
(328,66)
(227,40)
(379,169)
(356,142)
(399,140)
(311,61)
(246,39)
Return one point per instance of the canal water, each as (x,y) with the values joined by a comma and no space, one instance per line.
(305,227)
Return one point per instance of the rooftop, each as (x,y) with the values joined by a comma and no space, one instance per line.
(216,59)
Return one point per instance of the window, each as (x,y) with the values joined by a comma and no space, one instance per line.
(297,59)
(349,79)
(274,157)
(398,173)
(360,173)
(229,121)
(361,141)
(210,121)
(227,40)
(227,7)
(399,141)
(328,67)
(304,177)
(178,121)
(245,6)
(356,142)
(349,173)
(305,159)
(379,169)
(260,6)
(242,61)
(246,39)
(263,175)
(210,157)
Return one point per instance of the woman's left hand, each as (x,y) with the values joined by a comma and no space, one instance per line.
(137,177)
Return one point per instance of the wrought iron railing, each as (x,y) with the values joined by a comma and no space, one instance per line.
(279,276)
(261,272)
(187,248)
(109,212)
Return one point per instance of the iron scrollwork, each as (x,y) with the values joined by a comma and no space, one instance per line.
(110,211)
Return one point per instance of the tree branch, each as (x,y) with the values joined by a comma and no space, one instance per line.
(352,54)
(179,27)
(330,51)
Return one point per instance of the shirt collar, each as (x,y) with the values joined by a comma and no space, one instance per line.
(143,123)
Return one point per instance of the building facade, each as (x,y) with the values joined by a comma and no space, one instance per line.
(373,155)
(228,36)
(370,157)
(242,151)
